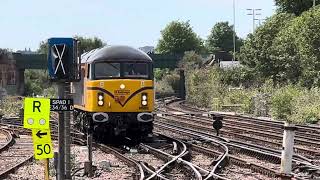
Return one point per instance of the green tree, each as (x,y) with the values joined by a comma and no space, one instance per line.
(294,6)
(191,60)
(86,44)
(300,44)
(178,37)
(256,51)
(221,38)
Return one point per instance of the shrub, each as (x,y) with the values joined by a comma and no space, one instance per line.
(243,97)
(159,73)
(173,80)
(162,88)
(307,107)
(37,83)
(283,103)
(191,60)
(204,87)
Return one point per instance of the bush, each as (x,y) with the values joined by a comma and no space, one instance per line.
(283,102)
(173,80)
(37,83)
(239,76)
(307,107)
(162,88)
(243,97)
(204,87)
(159,73)
(191,60)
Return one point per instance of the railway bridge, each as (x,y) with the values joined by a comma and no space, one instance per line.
(12,76)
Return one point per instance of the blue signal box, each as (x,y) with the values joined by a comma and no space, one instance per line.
(63,61)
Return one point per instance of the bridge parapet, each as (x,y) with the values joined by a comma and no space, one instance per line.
(39,61)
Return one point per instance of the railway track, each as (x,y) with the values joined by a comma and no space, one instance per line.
(14,152)
(269,154)
(307,131)
(238,149)
(256,130)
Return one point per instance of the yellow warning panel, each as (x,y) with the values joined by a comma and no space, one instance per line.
(42,144)
(36,113)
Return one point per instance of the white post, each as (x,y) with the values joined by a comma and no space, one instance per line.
(287,149)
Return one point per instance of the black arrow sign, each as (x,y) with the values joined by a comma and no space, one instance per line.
(40,134)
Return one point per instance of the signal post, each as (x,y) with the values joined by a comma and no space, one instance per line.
(63,68)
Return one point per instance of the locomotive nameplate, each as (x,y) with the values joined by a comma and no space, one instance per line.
(61,105)
(122,92)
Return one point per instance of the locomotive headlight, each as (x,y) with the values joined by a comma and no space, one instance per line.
(144,98)
(144,103)
(100,99)
(100,103)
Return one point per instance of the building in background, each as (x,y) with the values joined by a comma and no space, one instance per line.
(7,75)
(147,49)
(25,51)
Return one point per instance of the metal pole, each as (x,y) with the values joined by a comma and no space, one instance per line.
(61,135)
(234,31)
(67,136)
(253,17)
(46,168)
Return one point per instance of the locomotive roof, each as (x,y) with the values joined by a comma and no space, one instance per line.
(115,53)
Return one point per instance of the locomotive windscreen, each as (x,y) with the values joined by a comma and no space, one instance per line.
(107,70)
(131,70)
(135,70)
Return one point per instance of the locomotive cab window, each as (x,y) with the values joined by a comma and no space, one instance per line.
(106,70)
(139,70)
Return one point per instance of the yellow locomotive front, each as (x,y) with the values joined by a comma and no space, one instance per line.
(116,96)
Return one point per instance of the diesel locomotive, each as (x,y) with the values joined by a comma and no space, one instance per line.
(115,96)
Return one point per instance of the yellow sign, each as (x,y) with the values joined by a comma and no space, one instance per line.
(42,144)
(36,113)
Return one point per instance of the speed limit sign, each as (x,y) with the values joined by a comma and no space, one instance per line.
(42,144)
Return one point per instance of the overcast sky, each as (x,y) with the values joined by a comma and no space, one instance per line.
(127,22)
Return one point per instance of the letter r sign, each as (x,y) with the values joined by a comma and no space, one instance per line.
(36,113)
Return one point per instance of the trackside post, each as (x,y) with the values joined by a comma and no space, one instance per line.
(63,68)
(287,149)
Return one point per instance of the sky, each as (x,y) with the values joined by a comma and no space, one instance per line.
(23,24)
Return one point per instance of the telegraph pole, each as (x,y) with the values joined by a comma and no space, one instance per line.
(254,12)
(234,31)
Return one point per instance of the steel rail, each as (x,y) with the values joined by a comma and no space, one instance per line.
(129,161)
(151,171)
(183,151)
(193,167)
(9,139)
(231,143)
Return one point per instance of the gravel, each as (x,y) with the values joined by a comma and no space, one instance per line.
(108,166)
